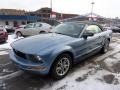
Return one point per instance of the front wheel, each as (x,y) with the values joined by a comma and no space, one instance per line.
(61,66)
(105,47)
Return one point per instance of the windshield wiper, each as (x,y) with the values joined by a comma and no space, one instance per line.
(57,33)
(50,32)
(60,33)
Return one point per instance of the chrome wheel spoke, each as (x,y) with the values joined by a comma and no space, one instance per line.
(58,68)
(63,66)
(66,66)
(106,46)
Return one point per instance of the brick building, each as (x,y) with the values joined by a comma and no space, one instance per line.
(15,17)
(46,13)
(87,17)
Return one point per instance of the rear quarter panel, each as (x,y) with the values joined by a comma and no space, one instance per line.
(106,35)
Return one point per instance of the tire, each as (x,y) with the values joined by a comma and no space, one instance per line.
(61,66)
(19,34)
(105,47)
(42,32)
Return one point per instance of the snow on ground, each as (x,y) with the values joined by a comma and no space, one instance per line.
(3,53)
(117,56)
(84,79)
(114,60)
(11,38)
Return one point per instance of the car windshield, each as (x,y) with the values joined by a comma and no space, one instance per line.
(69,29)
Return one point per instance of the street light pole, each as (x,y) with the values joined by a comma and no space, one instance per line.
(51,4)
(92,10)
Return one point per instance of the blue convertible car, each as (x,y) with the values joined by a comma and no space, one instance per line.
(55,52)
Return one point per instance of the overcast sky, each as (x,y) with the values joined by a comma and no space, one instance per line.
(107,8)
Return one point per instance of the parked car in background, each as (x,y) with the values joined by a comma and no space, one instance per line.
(33,29)
(9,28)
(115,29)
(3,34)
(56,52)
(53,22)
(21,26)
(107,28)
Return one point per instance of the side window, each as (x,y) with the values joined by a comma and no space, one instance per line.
(99,30)
(93,29)
(38,25)
(29,26)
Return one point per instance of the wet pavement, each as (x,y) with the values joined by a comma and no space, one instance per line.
(98,68)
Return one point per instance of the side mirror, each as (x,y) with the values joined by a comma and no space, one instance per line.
(24,27)
(85,35)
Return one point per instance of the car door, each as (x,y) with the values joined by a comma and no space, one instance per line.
(99,36)
(46,27)
(37,28)
(28,29)
(80,45)
(92,43)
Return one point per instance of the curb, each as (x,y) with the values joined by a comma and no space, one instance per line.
(12,75)
(4,49)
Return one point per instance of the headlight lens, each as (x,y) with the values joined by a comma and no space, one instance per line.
(38,58)
(35,58)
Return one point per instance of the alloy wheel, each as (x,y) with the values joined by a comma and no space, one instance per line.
(63,66)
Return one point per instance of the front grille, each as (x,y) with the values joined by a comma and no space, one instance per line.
(20,54)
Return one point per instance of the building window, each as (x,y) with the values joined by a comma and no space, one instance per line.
(23,23)
(6,23)
(15,24)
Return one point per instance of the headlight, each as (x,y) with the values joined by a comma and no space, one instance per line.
(35,58)
(38,58)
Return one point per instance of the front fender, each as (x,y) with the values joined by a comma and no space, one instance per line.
(61,50)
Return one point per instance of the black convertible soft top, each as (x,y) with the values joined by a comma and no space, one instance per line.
(87,23)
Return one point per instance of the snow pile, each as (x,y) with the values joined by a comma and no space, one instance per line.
(11,38)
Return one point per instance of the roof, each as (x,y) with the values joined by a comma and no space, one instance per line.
(12,12)
(93,15)
(87,23)
(84,16)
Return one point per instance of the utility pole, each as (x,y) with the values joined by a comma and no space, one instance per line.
(61,15)
(92,9)
(51,6)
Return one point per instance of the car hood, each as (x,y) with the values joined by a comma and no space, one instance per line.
(39,43)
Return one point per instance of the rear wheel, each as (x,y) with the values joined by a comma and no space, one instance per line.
(19,34)
(61,66)
(42,32)
(105,47)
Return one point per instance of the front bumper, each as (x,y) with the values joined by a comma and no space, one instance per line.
(27,65)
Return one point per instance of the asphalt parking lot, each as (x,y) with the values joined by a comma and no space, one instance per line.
(99,72)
